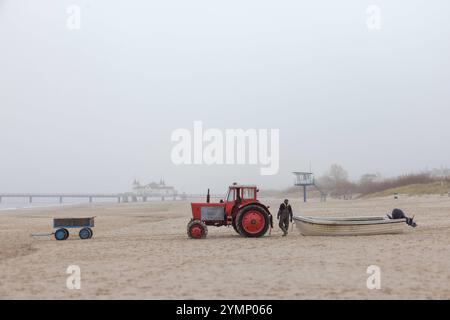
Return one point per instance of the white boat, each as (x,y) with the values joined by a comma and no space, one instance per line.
(349,226)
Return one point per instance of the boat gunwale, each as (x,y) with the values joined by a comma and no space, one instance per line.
(318,221)
(358,218)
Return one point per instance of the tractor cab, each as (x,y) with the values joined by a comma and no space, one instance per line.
(240,209)
(241,194)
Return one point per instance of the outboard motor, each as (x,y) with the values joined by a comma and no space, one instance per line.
(399,214)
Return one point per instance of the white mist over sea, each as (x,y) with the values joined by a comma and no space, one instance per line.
(23,203)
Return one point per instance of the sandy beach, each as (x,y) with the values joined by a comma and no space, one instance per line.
(141,251)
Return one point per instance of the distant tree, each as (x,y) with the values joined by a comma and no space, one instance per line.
(367,182)
(337,173)
(369,178)
(336,181)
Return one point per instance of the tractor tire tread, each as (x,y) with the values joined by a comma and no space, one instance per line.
(201,223)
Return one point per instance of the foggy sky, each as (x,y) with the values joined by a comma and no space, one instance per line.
(93,109)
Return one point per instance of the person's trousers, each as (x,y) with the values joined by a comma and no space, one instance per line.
(284,224)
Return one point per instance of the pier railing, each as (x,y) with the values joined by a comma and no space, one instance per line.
(121,197)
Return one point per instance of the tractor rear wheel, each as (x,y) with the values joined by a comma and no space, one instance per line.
(197,229)
(234,225)
(252,221)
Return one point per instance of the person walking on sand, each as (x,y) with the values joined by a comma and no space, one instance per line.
(285,215)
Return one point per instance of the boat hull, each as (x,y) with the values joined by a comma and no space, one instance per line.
(357,226)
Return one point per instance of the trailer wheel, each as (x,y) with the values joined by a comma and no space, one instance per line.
(61,234)
(252,221)
(85,233)
(197,229)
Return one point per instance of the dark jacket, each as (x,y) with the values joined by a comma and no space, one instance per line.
(285,211)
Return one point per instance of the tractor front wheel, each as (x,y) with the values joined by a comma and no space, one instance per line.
(197,229)
(252,221)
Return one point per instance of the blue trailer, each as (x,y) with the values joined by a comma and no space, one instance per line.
(63,224)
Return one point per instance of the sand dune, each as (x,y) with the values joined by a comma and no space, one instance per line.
(141,251)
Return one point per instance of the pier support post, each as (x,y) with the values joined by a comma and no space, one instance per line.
(30,199)
(60,199)
(304,193)
(90,199)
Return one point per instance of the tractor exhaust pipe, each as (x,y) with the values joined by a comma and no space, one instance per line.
(208,197)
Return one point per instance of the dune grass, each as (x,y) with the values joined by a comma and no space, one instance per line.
(438,187)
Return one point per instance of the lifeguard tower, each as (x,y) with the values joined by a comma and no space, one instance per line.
(306,179)
(303,179)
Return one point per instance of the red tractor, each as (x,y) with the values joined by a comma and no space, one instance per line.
(241,209)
